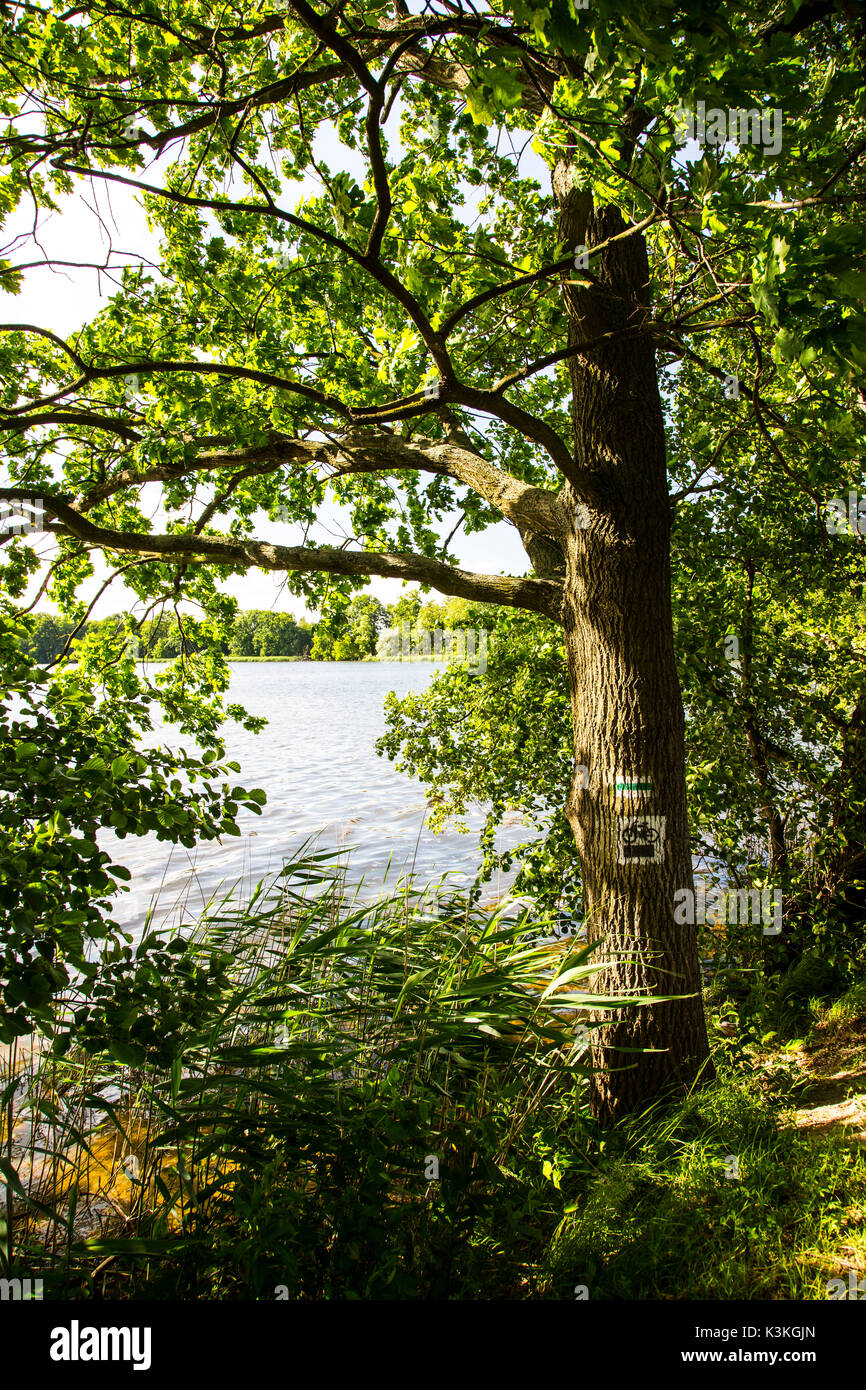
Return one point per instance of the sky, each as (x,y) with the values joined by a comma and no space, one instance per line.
(98,226)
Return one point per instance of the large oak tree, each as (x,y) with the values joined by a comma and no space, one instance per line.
(364,295)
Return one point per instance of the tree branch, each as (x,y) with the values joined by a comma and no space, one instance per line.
(537,595)
(535,508)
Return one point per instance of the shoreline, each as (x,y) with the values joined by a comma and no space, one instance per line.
(313,661)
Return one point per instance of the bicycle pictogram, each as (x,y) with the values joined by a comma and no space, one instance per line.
(641,839)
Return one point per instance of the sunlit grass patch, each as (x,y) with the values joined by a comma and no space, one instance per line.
(714,1201)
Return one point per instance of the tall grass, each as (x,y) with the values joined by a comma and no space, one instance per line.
(714,1199)
(319,1097)
(313,1095)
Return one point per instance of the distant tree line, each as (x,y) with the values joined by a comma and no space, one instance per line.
(355,629)
(255,633)
(351,630)
(259,632)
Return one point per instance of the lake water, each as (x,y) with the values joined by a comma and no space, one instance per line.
(316,761)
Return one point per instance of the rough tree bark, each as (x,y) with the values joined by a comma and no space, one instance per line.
(627,705)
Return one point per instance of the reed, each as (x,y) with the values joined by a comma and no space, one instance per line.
(318,1095)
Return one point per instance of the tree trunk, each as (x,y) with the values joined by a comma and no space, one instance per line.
(633,842)
(777,842)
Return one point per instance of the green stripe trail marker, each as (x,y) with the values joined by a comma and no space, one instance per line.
(633,786)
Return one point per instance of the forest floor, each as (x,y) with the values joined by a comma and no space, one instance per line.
(754,1189)
(833,1065)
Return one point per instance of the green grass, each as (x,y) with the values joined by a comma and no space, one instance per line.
(662,1220)
(849,1008)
